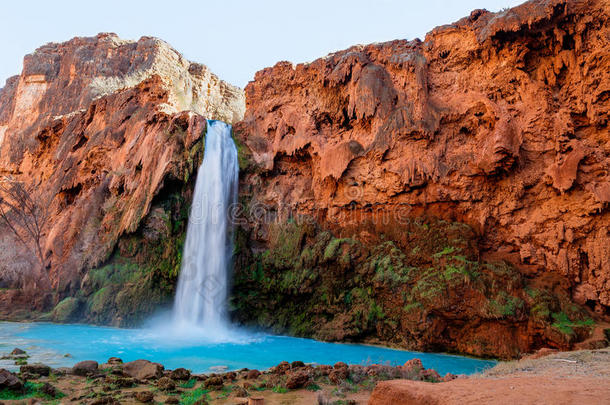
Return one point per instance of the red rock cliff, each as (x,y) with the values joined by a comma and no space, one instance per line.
(96,128)
(499,120)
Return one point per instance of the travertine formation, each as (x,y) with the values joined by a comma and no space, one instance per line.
(97,128)
(499,120)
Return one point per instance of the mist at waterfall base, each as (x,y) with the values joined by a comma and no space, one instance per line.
(197,334)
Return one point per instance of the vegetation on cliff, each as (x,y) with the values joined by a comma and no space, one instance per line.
(432,293)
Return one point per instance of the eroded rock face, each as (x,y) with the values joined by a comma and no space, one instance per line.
(499,120)
(496,124)
(104,131)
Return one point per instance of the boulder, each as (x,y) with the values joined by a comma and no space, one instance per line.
(104,400)
(114,361)
(282,368)
(120,382)
(35,369)
(430,375)
(253,375)
(297,364)
(144,396)
(172,400)
(213,382)
(323,370)
(297,379)
(449,377)
(143,369)
(180,374)
(240,392)
(166,384)
(413,366)
(67,310)
(61,371)
(337,376)
(10,381)
(49,390)
(85,368)
(273,381)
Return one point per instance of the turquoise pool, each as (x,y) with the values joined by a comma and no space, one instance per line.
(49,343)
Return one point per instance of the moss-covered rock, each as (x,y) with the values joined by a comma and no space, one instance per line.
(67,310)
(430,291)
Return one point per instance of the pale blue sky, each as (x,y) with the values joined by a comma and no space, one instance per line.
(235,38)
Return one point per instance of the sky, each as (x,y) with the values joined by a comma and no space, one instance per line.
(235,38)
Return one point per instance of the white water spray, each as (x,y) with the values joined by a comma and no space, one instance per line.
(202,287)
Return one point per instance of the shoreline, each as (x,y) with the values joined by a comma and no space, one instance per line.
(561,377)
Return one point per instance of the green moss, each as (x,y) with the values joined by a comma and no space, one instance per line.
(189,384)
(279,389)
(244,155)
(190,397)
(31,390)
(67,310)
(565,325)
(312,283)
(413,307)
(446,251)
(504,305)
(286,243)
(375,313)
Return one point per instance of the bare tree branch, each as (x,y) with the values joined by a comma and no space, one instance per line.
(24,215)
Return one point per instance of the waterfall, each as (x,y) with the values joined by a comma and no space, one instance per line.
(202,287)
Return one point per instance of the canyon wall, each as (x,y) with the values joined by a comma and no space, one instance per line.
(498,122)
(446,194)
(105,135)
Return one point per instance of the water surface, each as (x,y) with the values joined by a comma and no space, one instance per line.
(48,343)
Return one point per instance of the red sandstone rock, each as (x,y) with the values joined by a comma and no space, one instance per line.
(499,120)
(96,127)
(143,369)
(522,390)
(297,379)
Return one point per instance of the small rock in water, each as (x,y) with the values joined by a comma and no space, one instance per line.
(16,351)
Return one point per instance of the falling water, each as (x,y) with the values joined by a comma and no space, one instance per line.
(202,286)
